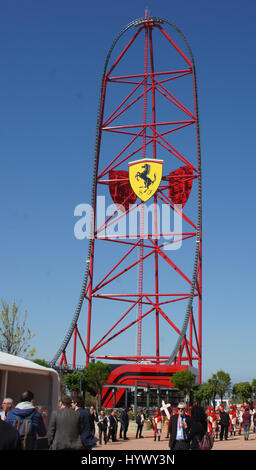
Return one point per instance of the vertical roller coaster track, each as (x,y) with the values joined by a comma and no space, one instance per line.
(137,288)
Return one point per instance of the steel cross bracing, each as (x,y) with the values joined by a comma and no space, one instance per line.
(147,135)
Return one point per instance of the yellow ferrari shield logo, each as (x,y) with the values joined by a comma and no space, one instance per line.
(145,176)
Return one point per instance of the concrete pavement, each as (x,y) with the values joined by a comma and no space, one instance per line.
(147,443)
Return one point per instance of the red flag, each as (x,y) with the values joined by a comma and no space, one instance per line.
(120,188)
(180,184)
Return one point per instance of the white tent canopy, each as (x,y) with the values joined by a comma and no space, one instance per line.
(18,374)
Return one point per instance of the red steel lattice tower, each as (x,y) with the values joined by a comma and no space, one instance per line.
(148,109)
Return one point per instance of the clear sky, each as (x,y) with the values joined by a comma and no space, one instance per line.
(52,55)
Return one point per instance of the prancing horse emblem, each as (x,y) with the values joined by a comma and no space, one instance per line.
(145,176)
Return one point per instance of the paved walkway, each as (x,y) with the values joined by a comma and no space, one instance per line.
(148,443)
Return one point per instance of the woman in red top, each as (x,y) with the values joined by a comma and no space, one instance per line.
(246,423)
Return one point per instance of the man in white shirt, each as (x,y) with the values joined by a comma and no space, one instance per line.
(178,436)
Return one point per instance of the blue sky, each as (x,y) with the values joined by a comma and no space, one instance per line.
(52,58)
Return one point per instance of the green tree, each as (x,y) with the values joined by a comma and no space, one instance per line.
(184,381)
(95,375)
(254,387)
(90,380)
(221,381)
(74,381)
(204,393)
(242,391)
(15,336)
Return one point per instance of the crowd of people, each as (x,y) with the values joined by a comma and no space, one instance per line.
(73,427)
(13,434)
(233,421)
(194,422)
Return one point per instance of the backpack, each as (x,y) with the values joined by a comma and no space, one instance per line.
(206,442)
(25,430)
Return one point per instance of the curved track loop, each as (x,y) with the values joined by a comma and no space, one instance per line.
(94,176)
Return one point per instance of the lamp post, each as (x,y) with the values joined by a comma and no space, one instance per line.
(158,398)
(147,397)
(135,399)
(214,382)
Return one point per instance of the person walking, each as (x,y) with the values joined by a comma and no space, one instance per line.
(143,417)
(240,419)
(7,405)
(103,427)
(249,403)
(233,418)
(112,426)
(25,410)
(87,434)
(157,424)
(217,433)
(209,419)
(65,428)
(215,425)
(93,418)
(167,420)
(246,422)
(254,420)
(124,423)
(179,426)
(198,426)
(139,422)
(224,424)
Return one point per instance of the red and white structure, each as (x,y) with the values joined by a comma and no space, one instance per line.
(137,287)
